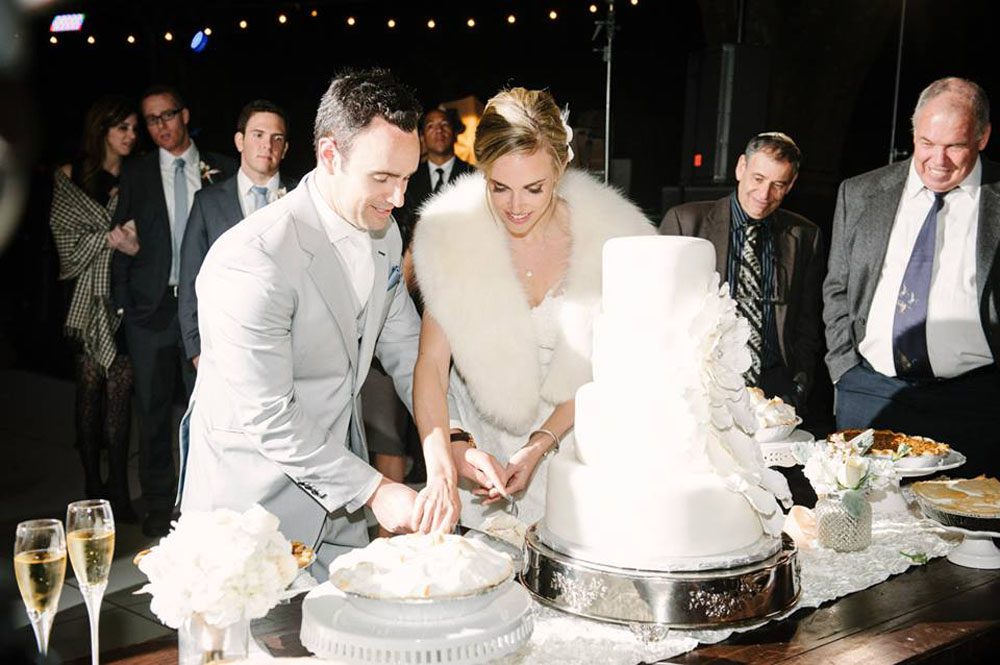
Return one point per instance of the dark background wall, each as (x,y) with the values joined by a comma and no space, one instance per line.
(832,69)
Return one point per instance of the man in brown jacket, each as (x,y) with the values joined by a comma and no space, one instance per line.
(772,260)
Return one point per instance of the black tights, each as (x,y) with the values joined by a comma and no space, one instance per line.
(103,417)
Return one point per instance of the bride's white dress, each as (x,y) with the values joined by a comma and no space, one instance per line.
(501,443)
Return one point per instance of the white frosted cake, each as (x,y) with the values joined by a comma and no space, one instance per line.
(664,474)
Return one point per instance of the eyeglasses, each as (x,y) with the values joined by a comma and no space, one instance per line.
(164,117)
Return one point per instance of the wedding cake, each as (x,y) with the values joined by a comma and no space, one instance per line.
(664,473)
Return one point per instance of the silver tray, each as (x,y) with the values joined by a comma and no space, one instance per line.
(703,599)
(957,520)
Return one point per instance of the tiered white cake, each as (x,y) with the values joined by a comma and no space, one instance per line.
(664,474)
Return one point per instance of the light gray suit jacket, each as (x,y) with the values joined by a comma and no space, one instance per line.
(866,210)
(275,417)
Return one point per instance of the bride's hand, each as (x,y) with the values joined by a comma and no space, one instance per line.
(437,507)
(484,469)
(521,468)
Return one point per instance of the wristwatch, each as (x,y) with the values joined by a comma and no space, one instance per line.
(465,437)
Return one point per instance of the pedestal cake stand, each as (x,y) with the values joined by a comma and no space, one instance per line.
(683,599)
(334,628)
(977,549)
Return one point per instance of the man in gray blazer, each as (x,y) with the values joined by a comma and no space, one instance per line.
(912,291)
(789,253)
(262,141)
(293,302)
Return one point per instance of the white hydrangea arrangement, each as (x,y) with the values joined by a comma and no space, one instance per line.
(221,564)
(840,468)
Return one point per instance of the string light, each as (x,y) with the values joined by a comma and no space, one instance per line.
(511,19)
(553,15)
(391,23)
(593,9)
(351,21)
(169,36)
(471,23)
(53,40)
(282,19)
(130,39)
(431,24)
(314,13)
(243,25)
(635,2)
(208,32)
(91,40)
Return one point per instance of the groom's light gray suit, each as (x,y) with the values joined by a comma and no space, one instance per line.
(275,417)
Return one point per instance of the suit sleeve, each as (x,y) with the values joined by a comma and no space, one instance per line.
(841,354)
(194,246)
(809,326)
(247,311)
(671,224)
(121,263)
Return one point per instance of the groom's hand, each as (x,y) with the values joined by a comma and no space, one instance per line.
(392,504)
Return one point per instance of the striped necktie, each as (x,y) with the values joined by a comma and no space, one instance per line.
(750,300)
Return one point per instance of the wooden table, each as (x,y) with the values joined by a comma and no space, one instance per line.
(938,613)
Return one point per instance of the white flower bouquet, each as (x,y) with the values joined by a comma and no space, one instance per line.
(840,468)
(222,565)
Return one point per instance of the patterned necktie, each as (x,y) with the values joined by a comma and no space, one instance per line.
(749,298)
(180,217)
(440,180)
(909,325)
(259,197)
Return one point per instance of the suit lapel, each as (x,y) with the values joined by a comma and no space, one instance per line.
(154,182)
(988,231)
(871,235)
(376,303)
(326,270)
(718,234)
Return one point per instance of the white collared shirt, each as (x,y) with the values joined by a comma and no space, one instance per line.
(353,244)
(243,185)
(956,342)
(446,167)
(192,173)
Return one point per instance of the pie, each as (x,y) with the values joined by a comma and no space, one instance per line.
(887,443)
(978,497)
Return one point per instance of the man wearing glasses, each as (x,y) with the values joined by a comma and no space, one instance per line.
(772,260)
(155,193)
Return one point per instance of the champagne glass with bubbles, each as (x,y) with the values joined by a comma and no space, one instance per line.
(90,539)
(40,568)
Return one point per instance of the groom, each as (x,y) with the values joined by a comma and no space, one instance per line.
(292,303)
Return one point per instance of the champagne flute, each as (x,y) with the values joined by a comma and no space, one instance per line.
(40,567)
(90,539)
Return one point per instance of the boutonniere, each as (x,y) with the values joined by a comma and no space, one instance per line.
(207,172)
(280,192)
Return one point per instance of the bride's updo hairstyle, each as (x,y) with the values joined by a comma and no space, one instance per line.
(521,121)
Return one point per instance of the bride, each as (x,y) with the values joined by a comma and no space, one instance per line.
(508,262)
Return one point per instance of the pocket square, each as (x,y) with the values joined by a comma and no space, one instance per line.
(394,275)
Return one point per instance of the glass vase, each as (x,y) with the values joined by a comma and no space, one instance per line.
(199,642)
(837,529)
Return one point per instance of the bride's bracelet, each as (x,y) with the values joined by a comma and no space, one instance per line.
(550,434)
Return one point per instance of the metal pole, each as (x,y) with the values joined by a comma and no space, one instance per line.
(895,93)
(610,30)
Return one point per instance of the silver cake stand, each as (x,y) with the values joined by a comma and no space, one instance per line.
(701,599)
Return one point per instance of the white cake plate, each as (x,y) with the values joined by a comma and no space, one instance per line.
(976,550)
(952,460)
(779,453)
(334,628)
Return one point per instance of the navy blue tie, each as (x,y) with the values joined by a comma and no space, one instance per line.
(909,326)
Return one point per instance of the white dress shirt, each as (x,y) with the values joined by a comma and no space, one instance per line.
(192,174)
(353,244)
(446,167)
(956,342)
(243,185)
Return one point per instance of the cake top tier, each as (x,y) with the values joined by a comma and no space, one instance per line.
(668,274)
